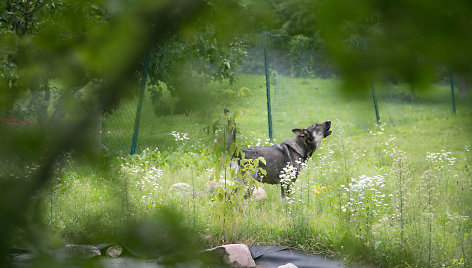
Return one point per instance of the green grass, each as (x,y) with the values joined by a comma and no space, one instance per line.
(423,217)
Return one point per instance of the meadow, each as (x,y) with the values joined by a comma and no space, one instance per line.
(396,194)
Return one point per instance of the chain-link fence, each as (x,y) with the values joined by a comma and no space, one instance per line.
(291,85)
(306,88)
(140,122)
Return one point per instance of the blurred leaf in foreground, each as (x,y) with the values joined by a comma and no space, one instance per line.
(70,43)
(409,40)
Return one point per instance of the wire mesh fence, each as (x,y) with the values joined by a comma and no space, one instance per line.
(135,126)
(291,85)
(307,88)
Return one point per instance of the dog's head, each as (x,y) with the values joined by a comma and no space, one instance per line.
(314,134)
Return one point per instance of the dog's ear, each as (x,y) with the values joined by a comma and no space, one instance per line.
(300,132)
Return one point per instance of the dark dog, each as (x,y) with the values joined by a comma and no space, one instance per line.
(291,152)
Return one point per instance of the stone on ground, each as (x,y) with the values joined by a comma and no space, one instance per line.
(114,251)
(236,255)
(181,186)
(260,194)
(81,251)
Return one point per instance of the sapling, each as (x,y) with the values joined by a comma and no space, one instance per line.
(430,194)
(401,174)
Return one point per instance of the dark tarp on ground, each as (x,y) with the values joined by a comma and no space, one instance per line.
(273,257)
(264,256)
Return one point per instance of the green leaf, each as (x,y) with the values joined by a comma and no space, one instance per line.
(262,160)
(234,149)
(263,171)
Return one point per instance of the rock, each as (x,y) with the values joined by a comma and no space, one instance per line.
(288,265)
(260,194)
(81,251)
(23,257)
(114,251)
(236,255)
(213,185)
(181,186)
(185,189)
(200,193)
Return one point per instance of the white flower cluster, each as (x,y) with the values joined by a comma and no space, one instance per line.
(30,170)
(387,144)
(131,169)
(147,186)
(379,130)
(197,146)
(180,136)
(300,163)
(287,176)
(365,197)
(146,203)
(442,160)
(144,177)
(150,179)
(147,176)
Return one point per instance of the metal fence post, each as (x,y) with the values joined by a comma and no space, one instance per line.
(375,104)
(140,104)
(453,96)
(266,64)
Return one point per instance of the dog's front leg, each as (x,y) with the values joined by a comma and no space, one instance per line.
(249,191)
(251,185)
(284,190)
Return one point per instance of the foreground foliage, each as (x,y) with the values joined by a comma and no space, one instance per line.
(365,198)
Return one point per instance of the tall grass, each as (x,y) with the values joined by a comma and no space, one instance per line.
(395,196)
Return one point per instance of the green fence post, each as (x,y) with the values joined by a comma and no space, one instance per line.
(140,104)
(266,64)
(375,104)
(453,96)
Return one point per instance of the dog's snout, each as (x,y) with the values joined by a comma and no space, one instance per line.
(328,122)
